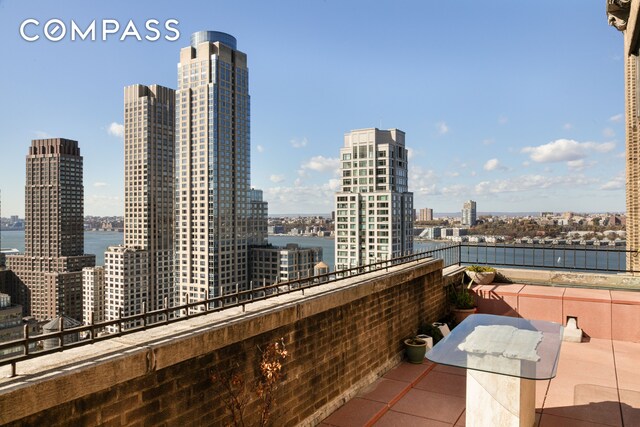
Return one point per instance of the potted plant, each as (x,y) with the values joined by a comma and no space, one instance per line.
(464,304)
(415,348)
(481,275)
(432,331)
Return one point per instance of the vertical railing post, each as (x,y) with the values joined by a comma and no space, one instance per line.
(144,314)
(166,310)
(26,339)
(91,323)
(61,330)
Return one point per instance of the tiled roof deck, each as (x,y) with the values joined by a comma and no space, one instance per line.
(598,384)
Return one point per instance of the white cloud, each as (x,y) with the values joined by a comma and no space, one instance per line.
(503,120)
(276,178)
(580,165)
(299,143)
(455,190)
(321,164)
(101,205)
(491,165)
(442,128)
(617,183)
(116,129)
(260,148)
(531,182)
(617,118)
(567,126)
(526,164)
(608,133)
(564,150)
(488,141)
(100,184)
(422,181)
(410,153)
(302,198)
(452,173)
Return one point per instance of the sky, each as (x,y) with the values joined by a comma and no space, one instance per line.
(516,105)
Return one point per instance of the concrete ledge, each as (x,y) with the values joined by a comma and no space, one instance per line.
(568,278)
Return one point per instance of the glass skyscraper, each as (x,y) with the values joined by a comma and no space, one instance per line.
(212,168)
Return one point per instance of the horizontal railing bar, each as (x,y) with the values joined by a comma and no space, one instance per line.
(209,305)
(452,254)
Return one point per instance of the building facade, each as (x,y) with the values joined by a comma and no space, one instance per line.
(258,218)
(212,168)
(149,133)
(93,295)
(374,208)
(10,324)
(469,215)
(271,264)
(620,14)
(149,117)
(126,284)
(50,271)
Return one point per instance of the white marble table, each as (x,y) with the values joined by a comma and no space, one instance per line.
(504,356)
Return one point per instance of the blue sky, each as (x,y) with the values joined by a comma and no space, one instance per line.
(517,105)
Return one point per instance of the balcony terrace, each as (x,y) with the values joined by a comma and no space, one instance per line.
(343,332)
(597,383)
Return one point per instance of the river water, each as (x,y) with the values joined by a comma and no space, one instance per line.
(97,242)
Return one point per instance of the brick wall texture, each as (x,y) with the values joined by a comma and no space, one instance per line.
(335,341)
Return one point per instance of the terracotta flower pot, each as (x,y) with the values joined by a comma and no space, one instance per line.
(461,313)
(481,277)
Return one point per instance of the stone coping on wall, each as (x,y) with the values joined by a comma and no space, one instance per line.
(622,281)
(43,382)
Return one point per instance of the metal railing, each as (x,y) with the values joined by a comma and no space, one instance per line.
(239,298)
(597,259)
(603,259)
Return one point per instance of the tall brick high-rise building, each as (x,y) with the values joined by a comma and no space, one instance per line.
(49,273)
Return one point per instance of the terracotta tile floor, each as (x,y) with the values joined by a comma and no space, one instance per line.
(598,384)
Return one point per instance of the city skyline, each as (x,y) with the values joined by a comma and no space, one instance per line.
(528,122)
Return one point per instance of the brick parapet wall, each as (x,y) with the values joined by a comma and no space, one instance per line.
(340,338)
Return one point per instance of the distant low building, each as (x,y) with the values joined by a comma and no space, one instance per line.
(431,233)
(272,263)
(276,229)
